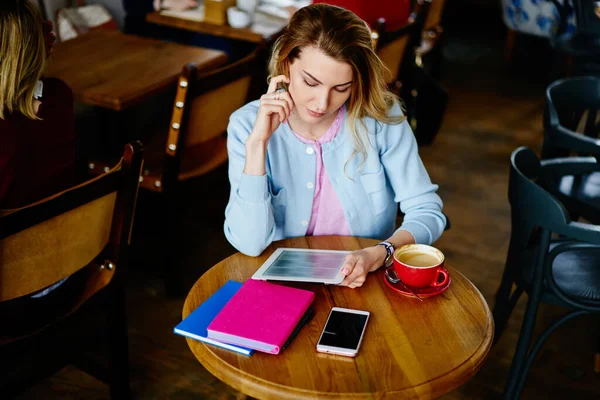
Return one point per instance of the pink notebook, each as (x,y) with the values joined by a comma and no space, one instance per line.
(261,316)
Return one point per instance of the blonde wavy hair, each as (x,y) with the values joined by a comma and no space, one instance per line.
(22,56)
(343,36)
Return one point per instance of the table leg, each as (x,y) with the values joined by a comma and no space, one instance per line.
(174,271)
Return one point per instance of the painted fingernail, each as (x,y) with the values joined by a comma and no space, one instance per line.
(345,271)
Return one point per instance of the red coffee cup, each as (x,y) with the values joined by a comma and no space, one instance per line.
(420,265)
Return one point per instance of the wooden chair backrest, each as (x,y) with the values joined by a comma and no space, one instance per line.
(434,15)
(46,241)
(395,46)
(392,54)
(210,112)
(204,102)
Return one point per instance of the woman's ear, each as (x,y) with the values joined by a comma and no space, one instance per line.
(285,69)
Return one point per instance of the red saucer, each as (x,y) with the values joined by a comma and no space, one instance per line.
(421,292)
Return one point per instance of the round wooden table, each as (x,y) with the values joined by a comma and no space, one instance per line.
(411,349)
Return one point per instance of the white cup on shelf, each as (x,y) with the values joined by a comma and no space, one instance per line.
(237,18)
(248,5)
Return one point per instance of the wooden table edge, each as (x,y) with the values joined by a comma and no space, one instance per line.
(125,102)
(157,88)
(249,384)
(250,36)
(258,387)
(482,351)
(261,389)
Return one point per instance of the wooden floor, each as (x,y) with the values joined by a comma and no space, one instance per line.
(492,111)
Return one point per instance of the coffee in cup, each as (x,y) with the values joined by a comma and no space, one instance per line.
(420,265)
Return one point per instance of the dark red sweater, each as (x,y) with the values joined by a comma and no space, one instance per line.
(395,12)
(37,157)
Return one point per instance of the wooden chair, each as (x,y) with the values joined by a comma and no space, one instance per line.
(396,48)
(196,142)
(432,38)
(425,99)
(433,21)
(431,12)
(83,234)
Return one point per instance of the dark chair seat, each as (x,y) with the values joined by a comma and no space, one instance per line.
(199,160)
(74,292)
(577,273)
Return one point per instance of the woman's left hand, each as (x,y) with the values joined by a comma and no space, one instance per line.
(359,263)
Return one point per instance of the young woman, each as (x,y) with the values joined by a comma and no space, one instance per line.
(331,154)
(37,124)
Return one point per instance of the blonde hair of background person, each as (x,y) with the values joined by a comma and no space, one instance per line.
(336,106)
(22,62)
(370,96)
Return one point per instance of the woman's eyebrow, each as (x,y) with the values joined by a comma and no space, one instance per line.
(318,81)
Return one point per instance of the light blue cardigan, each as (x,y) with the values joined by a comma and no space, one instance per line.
(278,205)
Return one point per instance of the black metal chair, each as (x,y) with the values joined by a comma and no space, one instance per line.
(583,47)
(572,127)
(562,271)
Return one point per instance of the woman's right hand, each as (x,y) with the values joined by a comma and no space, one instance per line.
(275,108)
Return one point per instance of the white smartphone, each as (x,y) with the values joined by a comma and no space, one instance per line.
(343,332)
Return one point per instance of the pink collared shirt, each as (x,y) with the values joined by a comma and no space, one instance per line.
(327,217)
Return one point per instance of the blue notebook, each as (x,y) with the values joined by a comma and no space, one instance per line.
(194,326)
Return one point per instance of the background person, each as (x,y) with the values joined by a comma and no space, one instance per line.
(37,133)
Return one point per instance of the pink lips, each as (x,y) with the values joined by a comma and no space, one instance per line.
(315,114)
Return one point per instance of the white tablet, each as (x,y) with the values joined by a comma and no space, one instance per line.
(303,265)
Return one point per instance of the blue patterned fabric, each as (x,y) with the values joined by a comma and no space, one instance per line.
(535,17)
